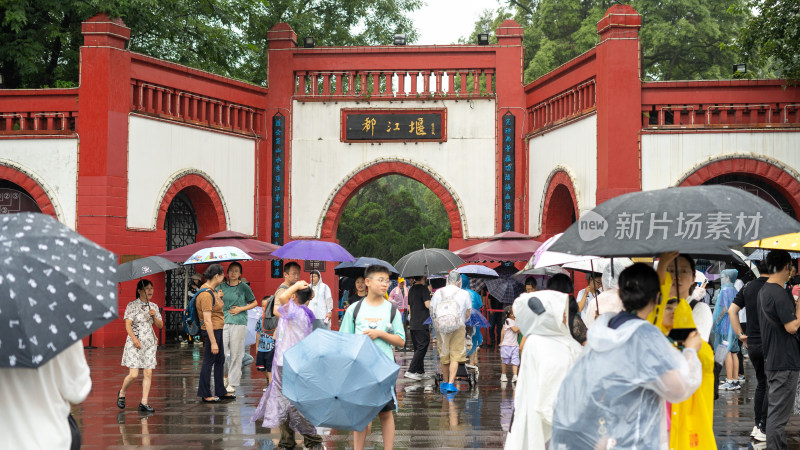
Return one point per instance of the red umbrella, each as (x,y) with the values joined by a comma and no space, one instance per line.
(253,247)
(506,246)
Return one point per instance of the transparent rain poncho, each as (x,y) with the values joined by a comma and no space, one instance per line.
(722,330)
(614,396)
(548,354)
(607,301)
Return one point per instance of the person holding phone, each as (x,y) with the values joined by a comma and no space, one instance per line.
(140,346)
(692,420)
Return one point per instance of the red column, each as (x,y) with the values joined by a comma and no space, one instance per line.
(105,101)
(511,97)
(619,97)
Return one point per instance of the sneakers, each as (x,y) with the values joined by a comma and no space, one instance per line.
(514,379)
(413,376)
(503,377)
(451,387)
(230,389)
(736,385)
(741,379)
(760,436)
(755,430)
(727,386)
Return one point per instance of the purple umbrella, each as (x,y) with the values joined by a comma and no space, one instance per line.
(313,250)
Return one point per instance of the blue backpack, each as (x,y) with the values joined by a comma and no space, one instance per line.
(192,323)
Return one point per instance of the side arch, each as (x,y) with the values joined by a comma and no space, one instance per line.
(36,188)
(212,215)
(362,176)
(780,177)
(560,204)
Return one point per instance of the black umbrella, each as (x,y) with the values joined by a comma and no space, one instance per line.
(143,267)
(428,261)
(56,287)
(700,220)
(355,269)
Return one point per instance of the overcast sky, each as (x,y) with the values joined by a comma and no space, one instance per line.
(442,22)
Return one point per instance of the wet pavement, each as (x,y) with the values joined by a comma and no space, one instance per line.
(476,418)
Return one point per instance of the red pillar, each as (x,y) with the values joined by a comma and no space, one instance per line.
(511,98)
(619,95)
(105,99)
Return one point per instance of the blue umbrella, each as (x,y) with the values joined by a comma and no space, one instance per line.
(338,380)
(478,271)
(356,268)
(313,250)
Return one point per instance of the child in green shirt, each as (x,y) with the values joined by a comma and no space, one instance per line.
(374,319)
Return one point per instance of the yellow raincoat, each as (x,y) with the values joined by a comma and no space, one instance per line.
(692,420)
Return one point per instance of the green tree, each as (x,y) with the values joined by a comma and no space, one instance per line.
(39,41)
(681,39)
(391,217)
(770,39)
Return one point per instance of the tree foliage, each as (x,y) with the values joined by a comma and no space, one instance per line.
(391,217)
(681,39)
(39,41)
(770,40)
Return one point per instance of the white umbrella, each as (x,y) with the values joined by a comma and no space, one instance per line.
(212,255)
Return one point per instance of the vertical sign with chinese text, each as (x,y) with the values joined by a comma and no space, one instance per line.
(507,174)
(277,194)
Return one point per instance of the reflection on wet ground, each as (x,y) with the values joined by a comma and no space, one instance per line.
(476,418)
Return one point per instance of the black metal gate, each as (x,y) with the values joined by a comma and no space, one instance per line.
(181,227)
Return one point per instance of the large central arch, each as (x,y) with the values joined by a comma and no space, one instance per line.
(364,175)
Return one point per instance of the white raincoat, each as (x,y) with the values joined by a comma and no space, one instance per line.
(614,395)
(548,354)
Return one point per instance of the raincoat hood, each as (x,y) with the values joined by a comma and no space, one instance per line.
(601,338)
(542,313)
(464,282)
(611,281)
(729,276)
(683,312)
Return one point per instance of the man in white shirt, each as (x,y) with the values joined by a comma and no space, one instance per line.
(450,309)
(37,402)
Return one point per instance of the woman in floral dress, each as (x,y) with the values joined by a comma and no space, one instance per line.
(140,347)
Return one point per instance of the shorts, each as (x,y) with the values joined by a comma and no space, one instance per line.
(264,361)
(509,354)
(389,407)
(455,346)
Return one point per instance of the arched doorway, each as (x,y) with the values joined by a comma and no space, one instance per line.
(180,225)
(756,187)
(392,216)
(560,209)
(14,199)
(364,176)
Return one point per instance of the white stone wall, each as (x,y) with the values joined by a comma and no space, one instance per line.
(53,163)
(159,153)
(466,163)
(668,158)
(571,148)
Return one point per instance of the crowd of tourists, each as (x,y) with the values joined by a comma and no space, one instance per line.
(631,361)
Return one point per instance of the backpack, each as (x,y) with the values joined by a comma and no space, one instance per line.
(358,307)
(269,322)
(447,317)
(192,323)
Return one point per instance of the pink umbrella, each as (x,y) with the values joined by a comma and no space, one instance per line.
(506,246)
(253,247)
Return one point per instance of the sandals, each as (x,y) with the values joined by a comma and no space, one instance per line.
(120,401)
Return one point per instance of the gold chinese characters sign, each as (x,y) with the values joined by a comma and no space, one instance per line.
(394,125)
